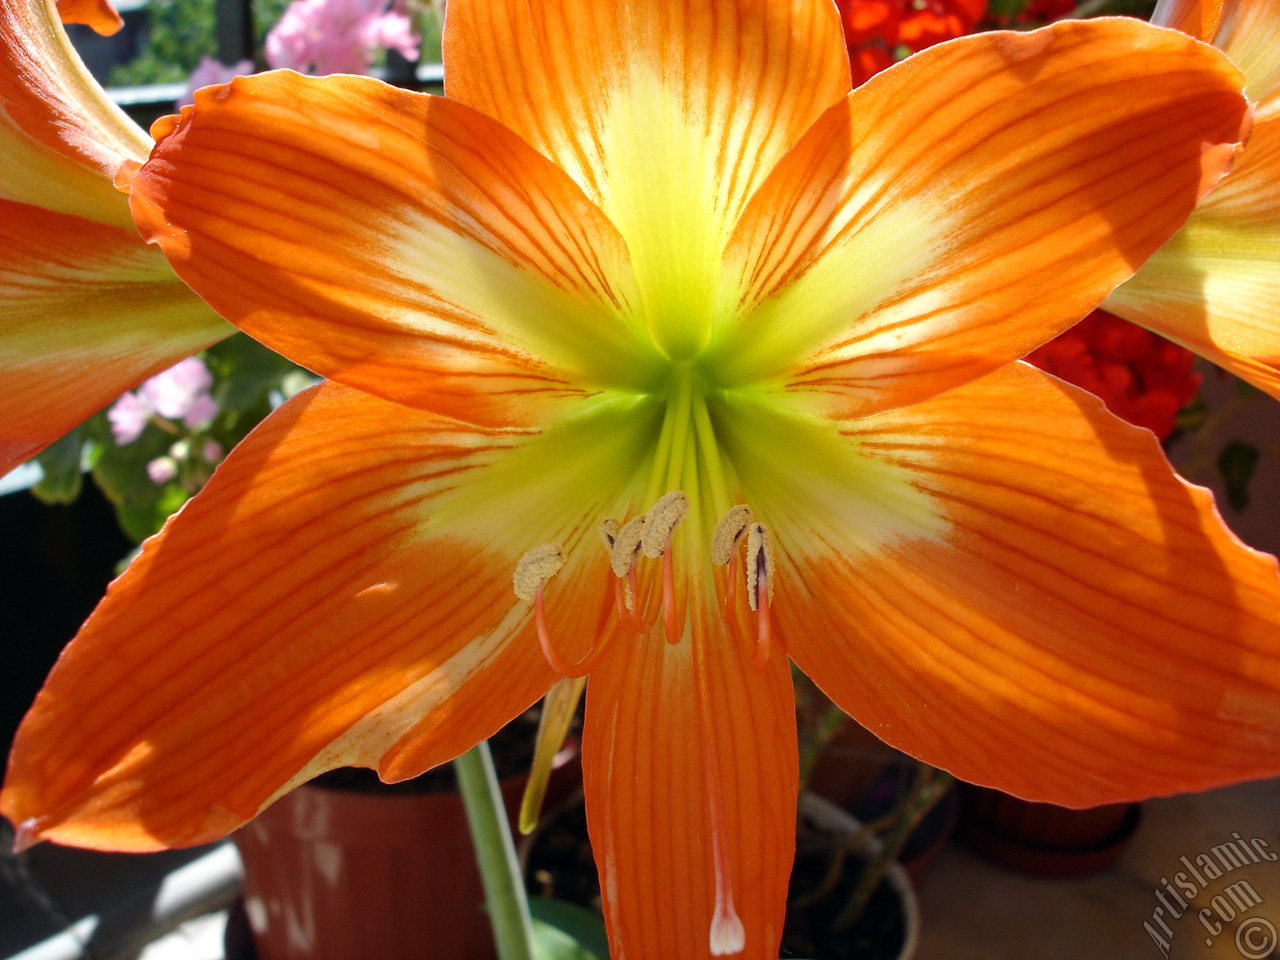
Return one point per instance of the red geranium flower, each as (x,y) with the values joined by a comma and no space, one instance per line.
(1141,377)
(875,29)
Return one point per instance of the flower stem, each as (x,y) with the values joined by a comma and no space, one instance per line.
(495,853)
(929,787)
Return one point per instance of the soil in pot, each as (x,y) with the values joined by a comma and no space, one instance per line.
(816,901)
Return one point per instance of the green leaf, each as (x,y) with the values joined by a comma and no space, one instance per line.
(63,477)
(565,931)
(1236,464)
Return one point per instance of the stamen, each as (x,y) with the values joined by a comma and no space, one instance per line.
(763,632)
(609,528)
(669,623)
(760,587)
(655,541)
(759,564)
(535,568)
(731,587)
(661,522)
(724,549)
(622,556)
(725,537)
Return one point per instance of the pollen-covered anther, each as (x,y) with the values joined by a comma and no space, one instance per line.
(609,528)
(622,559)
(728,534)
(724,549)
(661,522)
(663,517)
(533,570)
(760,569)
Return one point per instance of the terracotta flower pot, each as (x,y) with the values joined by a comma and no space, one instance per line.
(1043,839)
(337,874)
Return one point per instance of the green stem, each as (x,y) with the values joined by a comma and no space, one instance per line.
(928,788)
(824,730)
(495,853)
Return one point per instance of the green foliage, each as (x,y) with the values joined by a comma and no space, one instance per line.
(63,475)
(181,32)
(249,380)
(1236,463)
(565,931)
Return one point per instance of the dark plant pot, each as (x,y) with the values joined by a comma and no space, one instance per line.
(851,763)
(337,874)
(1042,839)
(889,926)
(861,774)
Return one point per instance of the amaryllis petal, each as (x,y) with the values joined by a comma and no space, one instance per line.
(403,244)
(86,311)
(904,245)
(98,14)
(1046,608)
(691,793)
(1249,32)
(1215,286)
(61,137)
(318,600)
(1199,18)
(669,113)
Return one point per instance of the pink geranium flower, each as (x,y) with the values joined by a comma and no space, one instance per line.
(179,393)
(339,36)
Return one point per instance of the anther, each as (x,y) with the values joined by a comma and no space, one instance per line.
(609,528)
(728,532)
(622,557)
(535,568)
(724,549)
(661,522)
(759,565)
(659,525)
(760,586)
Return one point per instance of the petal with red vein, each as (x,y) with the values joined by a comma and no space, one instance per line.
(61,137)
(98,14)
(1215,286)
(87,311)
(402,244)
(968,204)
(673,732)
(340,593)
(1081,628)
(669,113)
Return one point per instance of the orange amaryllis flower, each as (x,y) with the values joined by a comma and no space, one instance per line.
(87,310)
(1215,287)
(710,359)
